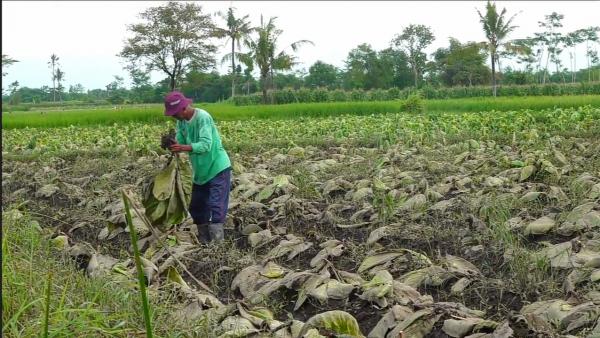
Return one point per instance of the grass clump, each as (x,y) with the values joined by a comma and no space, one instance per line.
(79,306)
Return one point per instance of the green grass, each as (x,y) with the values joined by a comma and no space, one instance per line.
(511,103)
(229,112)
(79,306)
(373,129)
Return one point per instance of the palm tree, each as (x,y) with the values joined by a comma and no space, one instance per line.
(262,52)
(60,76)
(496,29)
(53,63)
(7,61)
(238,29)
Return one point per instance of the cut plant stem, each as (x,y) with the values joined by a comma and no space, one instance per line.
(138,265)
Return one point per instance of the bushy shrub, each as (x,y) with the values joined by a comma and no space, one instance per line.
(338,95)
(393,93)
(358,95)
(320,95)
(305,95)
(378,95)
(414,104)
(284,96)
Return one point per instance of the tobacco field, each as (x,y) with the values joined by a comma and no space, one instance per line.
(475,224)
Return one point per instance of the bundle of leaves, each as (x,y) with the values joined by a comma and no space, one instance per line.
(167,196)
(167,140)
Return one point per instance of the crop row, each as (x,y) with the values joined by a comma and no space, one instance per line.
(228,112)
(143,137)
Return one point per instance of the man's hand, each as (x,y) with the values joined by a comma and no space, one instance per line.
(180,147)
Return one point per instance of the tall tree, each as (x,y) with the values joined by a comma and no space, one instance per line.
(116,90)
(13,88)
(573,39)
(262,52)
(53,64)
(394,68)
(361,68)
(496,29)
(76,92)
(551,39)
(590,34)
(173,38)
(60,77)
(522,51)
(141,89)
(413,41)
(7,61)
(237,30)
(322,74)
(462,64)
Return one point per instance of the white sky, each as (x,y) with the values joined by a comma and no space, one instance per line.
(87,35)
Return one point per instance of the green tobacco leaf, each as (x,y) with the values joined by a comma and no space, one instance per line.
(540,226)
(337,290)
(387,256)
(460,266)
(237,327)
(531,196)
(265,193)
(307,288)
(560,157)
(167,197)
(378,234)
(517,164)
(291,246)
(378,288)
(272,270)
(377,259)
(60,242)
(175,277)
(432,275)
(526,172)
(395,315)
(340,322)
(259,238)
(164,181)
(416,325)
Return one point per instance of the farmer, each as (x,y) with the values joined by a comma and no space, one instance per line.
(198,135)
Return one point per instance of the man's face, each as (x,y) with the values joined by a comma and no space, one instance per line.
(180,114)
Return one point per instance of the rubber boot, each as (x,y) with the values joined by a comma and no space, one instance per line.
(216,232)
(203,233)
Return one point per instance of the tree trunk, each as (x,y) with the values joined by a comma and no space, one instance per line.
(53,84)
(574,66)
(416,74)
(499,81)
(264,88)
(272,84)
(493,74)
(587,54)
(562,74)
(172,77)
(232,68)
(546,68)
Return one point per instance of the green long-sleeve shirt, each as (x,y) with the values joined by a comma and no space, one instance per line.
(208,157)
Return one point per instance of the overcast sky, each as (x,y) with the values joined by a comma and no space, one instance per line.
(87,35)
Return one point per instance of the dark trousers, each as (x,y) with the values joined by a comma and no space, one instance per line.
(210,200)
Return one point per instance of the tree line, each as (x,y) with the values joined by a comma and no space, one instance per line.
(178,39)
